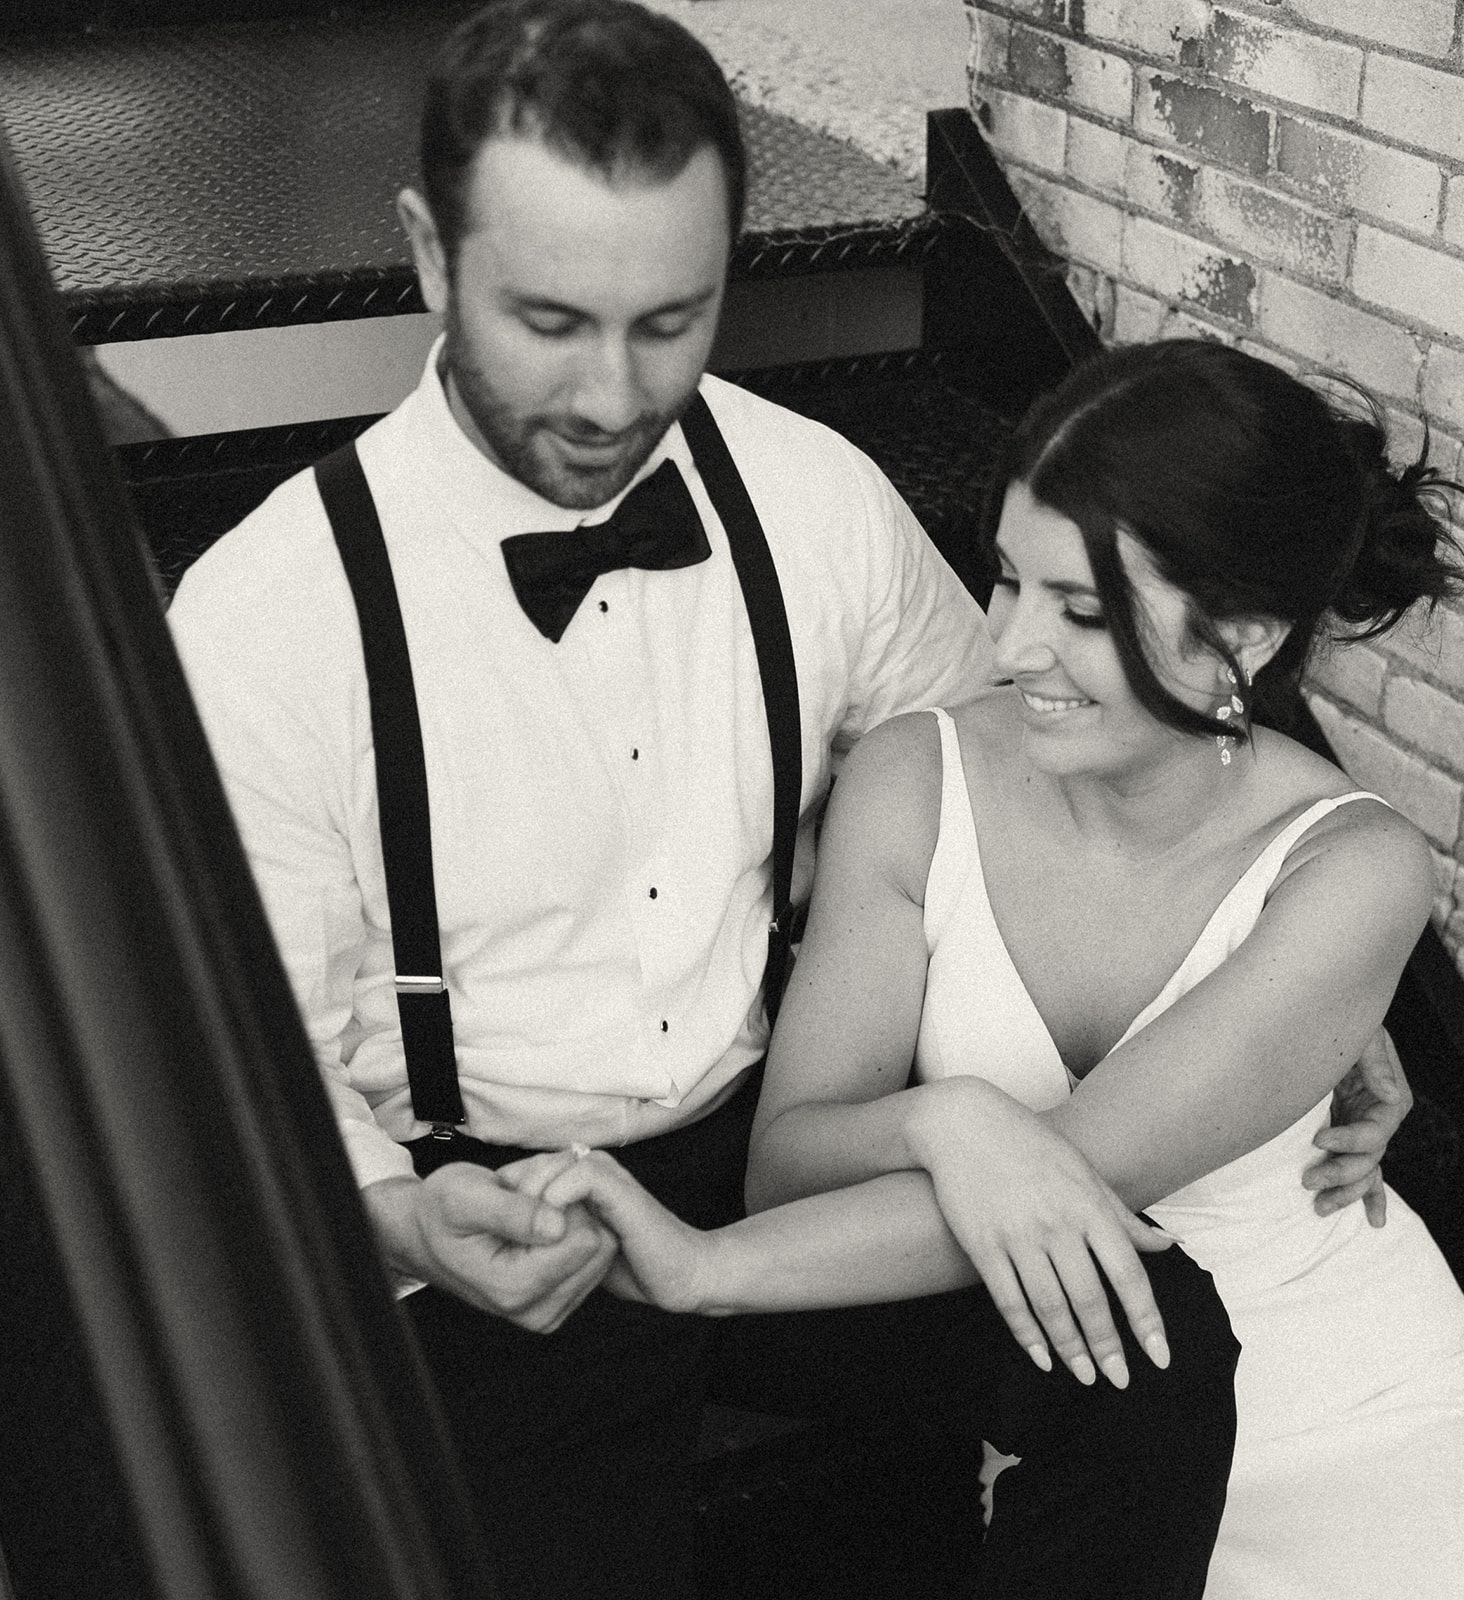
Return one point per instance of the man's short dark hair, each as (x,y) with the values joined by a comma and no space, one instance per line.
(604,83)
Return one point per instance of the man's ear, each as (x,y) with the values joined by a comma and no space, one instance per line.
(1254,640)
(427,253)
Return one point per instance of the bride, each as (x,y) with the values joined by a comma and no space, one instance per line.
(1105,893)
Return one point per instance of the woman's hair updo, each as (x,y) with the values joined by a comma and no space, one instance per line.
(1250,494)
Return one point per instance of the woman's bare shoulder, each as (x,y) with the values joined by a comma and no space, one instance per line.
(886,803)
(1365,845)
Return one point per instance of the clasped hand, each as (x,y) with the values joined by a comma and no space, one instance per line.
(501,1248)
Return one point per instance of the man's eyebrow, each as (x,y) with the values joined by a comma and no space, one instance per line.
(1055,585)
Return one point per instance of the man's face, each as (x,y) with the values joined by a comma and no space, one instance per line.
(580,313)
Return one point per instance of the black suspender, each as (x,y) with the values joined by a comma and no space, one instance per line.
(763,597)
(401,772)
(401,791)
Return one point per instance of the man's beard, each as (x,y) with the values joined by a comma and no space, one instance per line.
(524,445)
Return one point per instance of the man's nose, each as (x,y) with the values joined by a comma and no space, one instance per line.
(607,385)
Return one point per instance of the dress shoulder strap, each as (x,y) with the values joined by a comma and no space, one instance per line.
(1268,863)
(955,843)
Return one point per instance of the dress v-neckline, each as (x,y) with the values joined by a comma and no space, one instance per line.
(1275,849)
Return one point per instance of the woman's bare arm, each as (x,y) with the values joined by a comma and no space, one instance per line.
(1275,1027)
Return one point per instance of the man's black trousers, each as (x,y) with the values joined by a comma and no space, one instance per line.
(575,1444)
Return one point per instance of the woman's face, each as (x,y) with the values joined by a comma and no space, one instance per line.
(1051,639)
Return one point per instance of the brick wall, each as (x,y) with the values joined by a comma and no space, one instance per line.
(1286,175)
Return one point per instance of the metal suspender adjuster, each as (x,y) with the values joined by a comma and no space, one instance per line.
(411,984)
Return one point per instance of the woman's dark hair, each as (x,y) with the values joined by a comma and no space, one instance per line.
(604,83)
(1250,493)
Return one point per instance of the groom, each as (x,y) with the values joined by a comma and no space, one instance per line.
(600,858)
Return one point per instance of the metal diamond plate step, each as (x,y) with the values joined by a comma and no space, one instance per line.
(196,181)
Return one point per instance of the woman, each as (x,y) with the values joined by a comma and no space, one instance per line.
(1106,893)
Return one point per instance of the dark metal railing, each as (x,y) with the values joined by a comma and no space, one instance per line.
(167,1137)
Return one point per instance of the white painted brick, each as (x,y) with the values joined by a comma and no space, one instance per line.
(1349,173)
(1093,291)
(1427,797)
(1137,317)
(1412,279)
(1099,82)
(1429,645)
(1361,344)
(1073,225)
(1427,718)
(1265,352)
(1415,105)
(1443,385)
(1424,27)
(989,38)
(1041,10)
(1446,873)
(1158,28)
(1286,64)
(1405,436)
(1351,672)
(1161,181)
(1454,213)
(1453,937)
(1095,155)
(1445,454)
(1257,222)
(1227,127)
(1181,268)
(1182,324)
(1026,130)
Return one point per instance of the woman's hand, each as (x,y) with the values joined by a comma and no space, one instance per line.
(661,1258)
(1034,1218)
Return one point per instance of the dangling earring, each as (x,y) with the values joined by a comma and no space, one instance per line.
(1234,707)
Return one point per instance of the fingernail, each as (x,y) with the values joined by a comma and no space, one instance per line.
(1157,1349)
(1039,1355)
(1115,1369)
(1083,1370)
(548,1224)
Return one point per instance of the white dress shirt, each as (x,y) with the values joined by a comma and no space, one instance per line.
(601,807)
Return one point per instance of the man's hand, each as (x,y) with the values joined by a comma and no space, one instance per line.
(465,1231)
(1368,1106)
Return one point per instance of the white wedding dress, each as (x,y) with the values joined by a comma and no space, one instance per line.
(1348,1479)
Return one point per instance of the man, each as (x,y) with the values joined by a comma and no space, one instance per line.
(601,798)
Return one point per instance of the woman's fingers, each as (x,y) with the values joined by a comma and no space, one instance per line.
(532,1175)
(1055,1297)
(1071,1303)
(1143,1235)
(1130,1282)
(1005,1289)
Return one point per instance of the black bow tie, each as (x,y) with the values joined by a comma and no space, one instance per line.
(656,526)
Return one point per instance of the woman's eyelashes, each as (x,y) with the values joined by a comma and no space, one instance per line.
(1079,619)
(1085,619)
